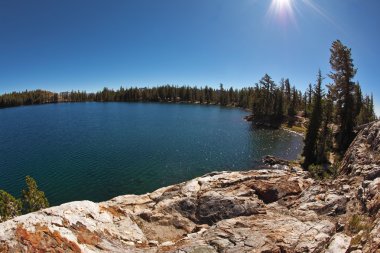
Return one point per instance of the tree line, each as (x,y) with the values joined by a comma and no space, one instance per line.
(32,199)
(335,112)
(243,98)
(27,98)
(270,102)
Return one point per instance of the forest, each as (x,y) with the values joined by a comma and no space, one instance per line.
(243,98)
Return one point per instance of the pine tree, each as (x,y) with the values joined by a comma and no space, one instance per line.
(32,198)
(310,148)
(9,206)
(288,95)
(309,92)
(268,87)
(342,89)
(277,107)
(222,96)
(372,109)
(358,99)
(306,113)
(280,101)
(231,98)
(293,103)
(324,142)
(367,113)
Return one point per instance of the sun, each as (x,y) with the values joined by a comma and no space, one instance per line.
(282,3)
(283,10)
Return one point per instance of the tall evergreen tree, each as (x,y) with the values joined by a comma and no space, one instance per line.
(343,72)
(324,142)
(264,97)
(306,113)
(372,109)
(293,103)
(222,96)
(287,90)
(309,92)
(310,148)
(277,114)
(358,99)
(367,113)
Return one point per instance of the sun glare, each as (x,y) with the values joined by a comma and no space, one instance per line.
(282,10)
(282,3)
(285,11)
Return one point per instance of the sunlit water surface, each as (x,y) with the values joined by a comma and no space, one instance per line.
(97,151)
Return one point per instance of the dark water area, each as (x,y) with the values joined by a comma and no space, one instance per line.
(97,151)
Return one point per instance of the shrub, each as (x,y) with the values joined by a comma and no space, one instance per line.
(9,206)
(320,172)
(355,223)
(32,198)
(358,223)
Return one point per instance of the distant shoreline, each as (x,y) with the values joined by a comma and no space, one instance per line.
(160,102)
(156,102)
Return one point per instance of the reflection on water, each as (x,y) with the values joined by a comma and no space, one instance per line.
(97,151)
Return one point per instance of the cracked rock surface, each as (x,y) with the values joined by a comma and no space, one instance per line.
(278,209)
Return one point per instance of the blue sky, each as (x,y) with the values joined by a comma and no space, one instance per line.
(87,45)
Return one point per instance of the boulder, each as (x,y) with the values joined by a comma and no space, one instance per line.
(339,244)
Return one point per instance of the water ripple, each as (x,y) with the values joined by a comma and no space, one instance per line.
(97,151)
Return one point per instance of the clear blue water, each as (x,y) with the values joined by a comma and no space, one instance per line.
(96,151)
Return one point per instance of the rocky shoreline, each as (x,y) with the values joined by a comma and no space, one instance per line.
(277,209)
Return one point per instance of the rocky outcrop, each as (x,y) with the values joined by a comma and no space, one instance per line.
(278,209)
(236,211)
(361,164)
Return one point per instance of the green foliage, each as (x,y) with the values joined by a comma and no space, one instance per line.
(358,223)
(310,151)
(325,142)
(342,90)
(321,172)
(296,129)
(271,103)
(355,223)
(264,98)
(223,96)
(27,98)
(336,114)
(366,113)
(32,198)
(9,206)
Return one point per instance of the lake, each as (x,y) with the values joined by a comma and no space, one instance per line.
(97,151)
